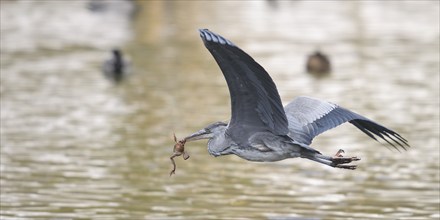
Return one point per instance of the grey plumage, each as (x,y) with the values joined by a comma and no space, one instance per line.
(309,117)
(260,128)
(255,101)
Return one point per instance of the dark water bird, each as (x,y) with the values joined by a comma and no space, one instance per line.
(116,68)
(127,8)
(260,128)
(318,63)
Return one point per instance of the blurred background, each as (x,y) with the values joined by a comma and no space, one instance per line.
(77,145)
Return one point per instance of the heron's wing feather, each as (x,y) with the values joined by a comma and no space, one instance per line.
(255,102)
(309,117)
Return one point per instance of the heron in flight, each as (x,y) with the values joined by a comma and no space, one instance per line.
(260,128)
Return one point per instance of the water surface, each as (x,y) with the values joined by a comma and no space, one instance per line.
(76,146)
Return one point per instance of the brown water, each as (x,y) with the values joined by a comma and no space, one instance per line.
(75,146)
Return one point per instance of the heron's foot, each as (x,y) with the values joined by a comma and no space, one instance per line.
(343,160)
(339,161)
(346,166)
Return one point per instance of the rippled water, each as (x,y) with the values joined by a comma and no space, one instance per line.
(73,145)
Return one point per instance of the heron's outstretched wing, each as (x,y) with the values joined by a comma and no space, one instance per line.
(255,102)
(309,117)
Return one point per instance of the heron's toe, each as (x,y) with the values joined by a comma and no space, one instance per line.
(343,160)
(345,166)
(355,158)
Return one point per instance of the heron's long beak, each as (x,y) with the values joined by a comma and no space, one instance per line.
(201,134)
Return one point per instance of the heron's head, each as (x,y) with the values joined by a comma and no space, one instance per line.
(208,132)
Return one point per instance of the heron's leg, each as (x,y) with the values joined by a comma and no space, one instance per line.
(320,160)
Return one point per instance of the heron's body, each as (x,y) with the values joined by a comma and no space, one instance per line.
(260,128)
(262,147)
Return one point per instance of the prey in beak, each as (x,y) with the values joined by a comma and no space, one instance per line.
(206,133)
(179,149)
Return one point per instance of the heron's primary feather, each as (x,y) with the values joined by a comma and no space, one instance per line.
(255,102)
(309,117)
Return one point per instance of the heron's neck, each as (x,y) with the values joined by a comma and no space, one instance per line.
(219,144)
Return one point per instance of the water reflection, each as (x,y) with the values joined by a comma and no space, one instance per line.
(75,146)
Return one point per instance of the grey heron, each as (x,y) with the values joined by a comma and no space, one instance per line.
(260,129)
